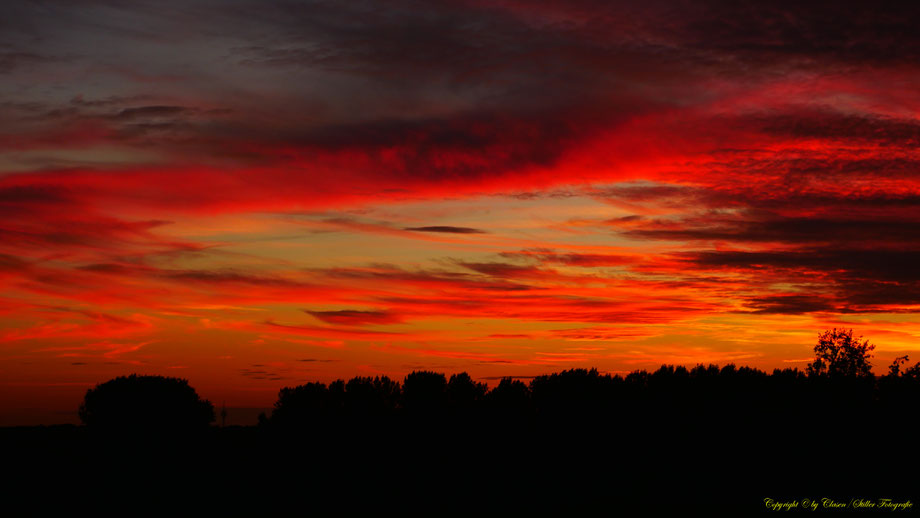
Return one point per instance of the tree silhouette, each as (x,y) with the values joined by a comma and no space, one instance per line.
(894,369)
(301,405)
(913,372)
(464,394)
(371,396)
(425,391)
(574,391)
(145,403)
(838,354)
(510,397)
(313,403)
(839,379)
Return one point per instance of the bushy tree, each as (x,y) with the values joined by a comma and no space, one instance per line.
(463,393)
(301,405)
(839,354)
(145,403)
(511,396)
(371,396)
(894,369)
(425,391)
(573,390)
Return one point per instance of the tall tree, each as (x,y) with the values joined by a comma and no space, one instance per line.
(839,354)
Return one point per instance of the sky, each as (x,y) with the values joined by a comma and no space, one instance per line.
(254,194)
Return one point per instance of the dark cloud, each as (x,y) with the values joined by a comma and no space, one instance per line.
(641,192)
(29,194)
(99,317)
(355,318)
(12,60)
(435,279)
(465,144)
(789,304)
(393,272)
(109,268)
(260,374)
(764,226)
(143,112)
(12,263)
(204,277)
(153,130)
(803,122)
(503,270)
(227,276)
(801,33)
(447,230)
(85,231)
(868,295)
(879,166)
(846,264)
(541,195)
(861,280)
(570,259)
(323,331)
(475,90)
(445,91)
(415,45)
(112,100)
(626,219)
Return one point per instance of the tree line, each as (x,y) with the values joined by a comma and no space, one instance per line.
(839,379)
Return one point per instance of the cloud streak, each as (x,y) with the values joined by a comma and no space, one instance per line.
(445,229)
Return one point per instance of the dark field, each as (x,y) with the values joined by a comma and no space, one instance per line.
(564,465)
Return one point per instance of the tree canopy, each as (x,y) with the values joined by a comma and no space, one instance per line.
(839,354)
(145,403)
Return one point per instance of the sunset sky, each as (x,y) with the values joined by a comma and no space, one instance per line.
(253,194)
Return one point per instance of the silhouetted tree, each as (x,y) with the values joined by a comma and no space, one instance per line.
(899,389)
(335,398)
(510,396)
(574,391)
(371,396)
(667,390)
(425,391)
(838,354)
(839,380)
(464,394)
(301,405)
(895,368)
(145,403)
(913,372)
